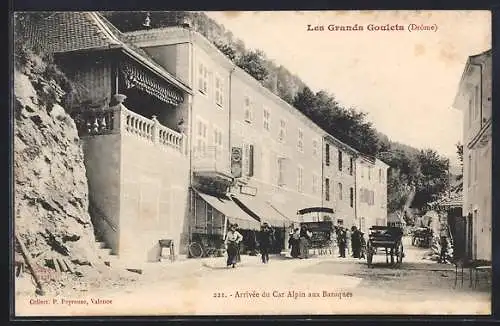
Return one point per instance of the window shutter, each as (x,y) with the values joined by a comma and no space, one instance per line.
(327,155)
(246,159)
(250,160)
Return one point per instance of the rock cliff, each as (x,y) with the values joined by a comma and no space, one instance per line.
(50,184)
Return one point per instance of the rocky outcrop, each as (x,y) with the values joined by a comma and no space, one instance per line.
(50,184)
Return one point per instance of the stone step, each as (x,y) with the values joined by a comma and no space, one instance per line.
(101,244)
(104,252)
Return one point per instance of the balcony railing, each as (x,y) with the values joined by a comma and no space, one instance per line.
(119,119)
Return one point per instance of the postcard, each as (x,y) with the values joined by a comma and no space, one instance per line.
(183,163)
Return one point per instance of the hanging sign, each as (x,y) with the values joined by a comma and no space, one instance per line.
(236,162)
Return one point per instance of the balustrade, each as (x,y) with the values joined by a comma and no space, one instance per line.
(92,123)
(138,125)
(169,137)
(119,119)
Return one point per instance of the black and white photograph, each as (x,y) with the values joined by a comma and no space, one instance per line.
(262,163)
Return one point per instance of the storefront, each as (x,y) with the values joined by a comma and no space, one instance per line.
(212,214)
(265,212)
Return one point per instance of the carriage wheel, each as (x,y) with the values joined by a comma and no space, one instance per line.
(195,250)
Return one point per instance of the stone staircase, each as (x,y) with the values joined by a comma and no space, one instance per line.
(104,252)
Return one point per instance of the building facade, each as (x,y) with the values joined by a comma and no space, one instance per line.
(179,142)
(281,149)
(371,192)
(339,181)
(265,154)
(127,113)
(474,100)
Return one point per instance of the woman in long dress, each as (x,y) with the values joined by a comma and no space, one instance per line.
(232,241)
(304,242)
(294,243)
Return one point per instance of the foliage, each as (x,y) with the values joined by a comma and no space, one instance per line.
(424,169)
(227,49)
(51,84)
(460,154)
(253,63)
(348,125)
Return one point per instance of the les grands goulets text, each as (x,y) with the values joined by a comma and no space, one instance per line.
(372,27)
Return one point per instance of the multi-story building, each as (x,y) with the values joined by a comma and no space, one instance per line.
(128,112)
(339,181)
(245,138)
(371,192)
(281,149)
(250,145)
(474,100)
(196,144)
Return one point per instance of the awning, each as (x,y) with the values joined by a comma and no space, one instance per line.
(234,214)
(260,208)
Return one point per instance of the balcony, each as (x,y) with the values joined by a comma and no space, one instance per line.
(211,170)
(120,120)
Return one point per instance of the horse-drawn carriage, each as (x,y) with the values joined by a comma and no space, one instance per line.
(422,237)
(388,238)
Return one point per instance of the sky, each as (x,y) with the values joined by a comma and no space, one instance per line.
(405,81)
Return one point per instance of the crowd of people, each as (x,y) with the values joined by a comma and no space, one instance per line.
(351,241)
(299,241)
(265,240)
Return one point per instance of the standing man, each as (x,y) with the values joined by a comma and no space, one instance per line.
(233,239)
(266,239)
(341,239)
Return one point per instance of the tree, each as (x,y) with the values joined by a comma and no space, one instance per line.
(433,179)
(253,62)
(305,101)
(227,49)
(460,154)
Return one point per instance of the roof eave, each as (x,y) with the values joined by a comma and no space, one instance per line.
(134,55)
(456,100)
(340,143)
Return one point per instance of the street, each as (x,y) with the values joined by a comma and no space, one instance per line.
(318,285)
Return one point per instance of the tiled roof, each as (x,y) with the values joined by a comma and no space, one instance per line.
(79,31)
(70,31)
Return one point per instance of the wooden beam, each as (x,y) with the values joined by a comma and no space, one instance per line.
(26,255)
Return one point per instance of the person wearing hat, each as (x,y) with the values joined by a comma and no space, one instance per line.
(341,240)
(232,242)
(266,239)
(355,242)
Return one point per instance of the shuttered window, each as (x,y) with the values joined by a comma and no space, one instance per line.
(327,189)
(340,160)
(327,155)
(248,158)
(351,196)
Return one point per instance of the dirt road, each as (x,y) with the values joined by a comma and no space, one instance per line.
(322,285)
